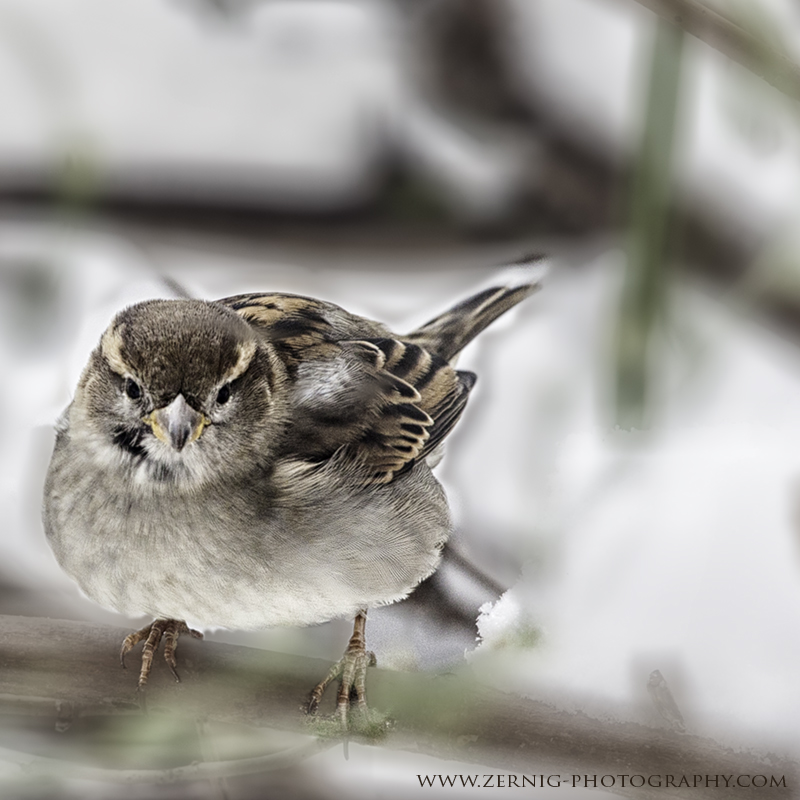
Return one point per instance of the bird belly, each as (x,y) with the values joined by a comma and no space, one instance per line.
(191,558)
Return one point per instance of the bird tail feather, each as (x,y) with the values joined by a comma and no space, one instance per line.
(447,334)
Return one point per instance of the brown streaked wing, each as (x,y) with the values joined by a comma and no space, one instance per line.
(343,396)
(295,324)
(397,400)
(443,391)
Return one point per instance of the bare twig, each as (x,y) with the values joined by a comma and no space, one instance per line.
(731,40)
(447,716)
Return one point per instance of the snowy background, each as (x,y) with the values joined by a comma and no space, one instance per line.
(223,147)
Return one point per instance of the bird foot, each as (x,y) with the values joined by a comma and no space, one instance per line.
(169,630)
(351,669)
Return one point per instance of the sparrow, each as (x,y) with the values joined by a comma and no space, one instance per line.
(256,461)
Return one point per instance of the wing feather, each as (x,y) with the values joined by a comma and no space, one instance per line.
(357,391)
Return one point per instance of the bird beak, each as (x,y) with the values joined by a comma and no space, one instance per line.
(177,424)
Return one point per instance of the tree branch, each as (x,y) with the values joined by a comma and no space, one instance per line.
(64,668)
(731,40)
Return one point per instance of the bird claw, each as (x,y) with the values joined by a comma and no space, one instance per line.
(351,670)
(169,630)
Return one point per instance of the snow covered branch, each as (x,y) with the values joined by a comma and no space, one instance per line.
(70,670)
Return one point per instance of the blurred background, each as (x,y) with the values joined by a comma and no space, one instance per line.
(625,482)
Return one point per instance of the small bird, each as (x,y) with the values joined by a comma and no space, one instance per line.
(260,460)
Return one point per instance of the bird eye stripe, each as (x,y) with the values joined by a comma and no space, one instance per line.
(247,351)
(111,348)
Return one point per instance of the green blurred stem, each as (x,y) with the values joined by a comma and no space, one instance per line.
(644,286)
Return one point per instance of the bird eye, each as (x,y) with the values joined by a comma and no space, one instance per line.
(224,394)
(132,389)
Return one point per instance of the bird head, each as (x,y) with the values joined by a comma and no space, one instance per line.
(181,391)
